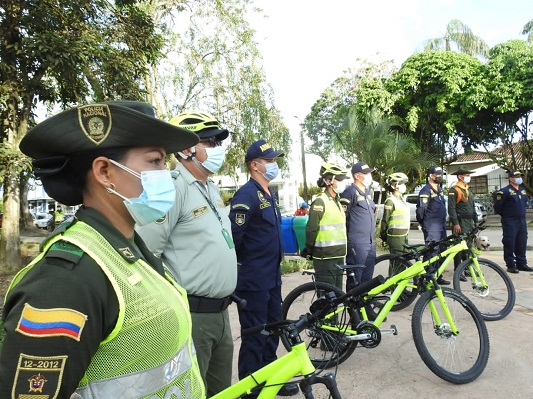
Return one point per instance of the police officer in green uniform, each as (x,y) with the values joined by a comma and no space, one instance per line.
(461,208)
(195,241)
(396,219)
(96,315)
(325,232)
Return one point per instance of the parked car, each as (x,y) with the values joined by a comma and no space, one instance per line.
(42,220)
(412,200)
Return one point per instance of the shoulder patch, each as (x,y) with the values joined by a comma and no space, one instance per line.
(318,208)
(344,200)
(41,323)
(240,219)
(39,376)
(240,206)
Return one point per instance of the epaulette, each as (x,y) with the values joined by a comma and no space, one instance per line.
(66,251)
(59,230)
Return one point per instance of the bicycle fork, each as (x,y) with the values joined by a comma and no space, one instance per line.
(327,379)
(438,324)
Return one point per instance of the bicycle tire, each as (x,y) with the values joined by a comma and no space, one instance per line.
(385,267)
(325,348)
(460,358)
(494,302)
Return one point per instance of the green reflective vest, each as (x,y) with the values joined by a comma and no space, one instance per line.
(149,354)
(399,222)
(331,240)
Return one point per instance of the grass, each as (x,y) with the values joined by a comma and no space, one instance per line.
(291,265)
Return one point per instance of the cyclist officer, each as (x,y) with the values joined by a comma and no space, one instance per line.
(396,217)
(95,315)
(325,233)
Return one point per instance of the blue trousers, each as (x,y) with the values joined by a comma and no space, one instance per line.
(365,254)
(258,350)
(514,241)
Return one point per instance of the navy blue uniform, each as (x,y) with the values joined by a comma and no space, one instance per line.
(511,203)
(360,227)
(256,227)
(431,213)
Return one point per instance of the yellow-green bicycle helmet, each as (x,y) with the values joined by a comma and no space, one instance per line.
(201,123)
(333,170)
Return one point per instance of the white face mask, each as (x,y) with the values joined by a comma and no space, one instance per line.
(466,179)
(367,181)
(341,186)
(402,188)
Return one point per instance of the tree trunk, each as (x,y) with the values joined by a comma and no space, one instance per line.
(10,259)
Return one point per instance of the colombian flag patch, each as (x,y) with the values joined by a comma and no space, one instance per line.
(56,322)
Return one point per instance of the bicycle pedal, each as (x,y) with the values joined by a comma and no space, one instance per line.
(392,330)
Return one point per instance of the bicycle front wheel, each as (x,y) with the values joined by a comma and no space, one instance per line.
(390,265)
(458,358)
(494,299)
(326,342)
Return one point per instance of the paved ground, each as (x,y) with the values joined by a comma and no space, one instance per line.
(394,368)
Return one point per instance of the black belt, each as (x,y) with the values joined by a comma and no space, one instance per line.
(465,216)
(200,304)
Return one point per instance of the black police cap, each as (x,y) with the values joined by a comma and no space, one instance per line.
(114,124)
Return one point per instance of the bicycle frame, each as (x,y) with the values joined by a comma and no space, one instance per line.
(401,280)
(476,273)
(274,375)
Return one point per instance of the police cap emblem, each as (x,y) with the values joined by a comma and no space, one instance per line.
(95,122)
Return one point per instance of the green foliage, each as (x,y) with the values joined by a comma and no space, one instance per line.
(295,265)
(312,190)
(460,37)
(438,94)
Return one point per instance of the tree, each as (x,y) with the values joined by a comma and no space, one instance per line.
(357,90)
(212,63)
(438,95)
(62,52)
(528,30)
(459,37)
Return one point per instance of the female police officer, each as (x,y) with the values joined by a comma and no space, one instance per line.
(95,315)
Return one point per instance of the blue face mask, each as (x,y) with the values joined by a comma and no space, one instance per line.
(271,172)
(215,159)
(518,181)
(158,196)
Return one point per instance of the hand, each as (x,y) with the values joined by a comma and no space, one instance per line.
(383,236)
(456,229)
(304,253)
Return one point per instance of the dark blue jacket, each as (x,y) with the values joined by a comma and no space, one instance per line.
(431,208)
(511,203)
(256,227)
(360,220)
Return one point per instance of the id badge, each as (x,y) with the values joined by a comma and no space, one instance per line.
(228,238)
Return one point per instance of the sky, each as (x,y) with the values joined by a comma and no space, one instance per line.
(307,44)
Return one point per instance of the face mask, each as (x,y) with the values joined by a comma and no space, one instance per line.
(518,181)
(157,197)
(341,186)
(215,158)
(271,172)
(367,181)
(466,179)
(438,179)
(402,188)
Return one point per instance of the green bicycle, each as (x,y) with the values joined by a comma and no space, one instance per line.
(449,333)
(295,363)
(482,281)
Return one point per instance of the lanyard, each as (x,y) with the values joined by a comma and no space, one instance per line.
(213,207)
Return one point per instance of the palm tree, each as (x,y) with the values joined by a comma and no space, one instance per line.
(528,30)
(460,37)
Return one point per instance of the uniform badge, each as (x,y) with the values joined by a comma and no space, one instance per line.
(240,219)
(424,200)
(261,196)
(41,323)
(498,197)
(95,121)
(318,208)
(126,251)
(161,220)
(39,377)
(197,212)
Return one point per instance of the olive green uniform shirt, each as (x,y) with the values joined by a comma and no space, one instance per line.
(463,212)
(190,240)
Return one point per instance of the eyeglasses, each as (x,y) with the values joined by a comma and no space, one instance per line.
(212,142)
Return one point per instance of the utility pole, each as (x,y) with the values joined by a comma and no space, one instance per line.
(302,151)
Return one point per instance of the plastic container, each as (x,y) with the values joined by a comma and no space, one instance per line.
(287,235)
(298,225)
